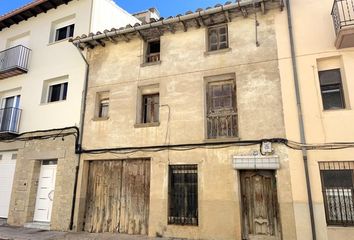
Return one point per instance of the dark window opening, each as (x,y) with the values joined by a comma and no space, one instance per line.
(337,189)
(183,195)
(150,107)
(153,51)
(58,92)
(64,32)
(103,108)
(218,38)
(331,89)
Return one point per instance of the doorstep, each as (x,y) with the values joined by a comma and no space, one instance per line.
(38,225)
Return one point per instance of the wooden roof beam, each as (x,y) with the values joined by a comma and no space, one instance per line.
(185,27)
(227,16)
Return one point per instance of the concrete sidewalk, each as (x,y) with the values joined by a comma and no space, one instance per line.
(19,233)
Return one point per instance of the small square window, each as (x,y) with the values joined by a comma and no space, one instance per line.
(64,32)
(331,89)
(153,51)
(150,108)
(183,195)
(218,38)
(57,92)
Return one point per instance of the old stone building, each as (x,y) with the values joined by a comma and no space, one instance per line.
(183,132)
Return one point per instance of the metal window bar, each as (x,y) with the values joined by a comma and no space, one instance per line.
(183,195)
(222,125)
(342,14)
(339,195)
(10,119)
(15,57)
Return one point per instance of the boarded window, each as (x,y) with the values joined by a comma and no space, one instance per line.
(331,89)
(153,51)
(64,32)
(218,38)
(183,195)
(57,92)
(221,109)
(150,108)
(337,189)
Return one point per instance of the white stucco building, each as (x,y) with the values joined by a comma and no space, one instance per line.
(41,88)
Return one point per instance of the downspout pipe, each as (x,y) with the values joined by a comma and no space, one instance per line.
(79,145)
(300,119)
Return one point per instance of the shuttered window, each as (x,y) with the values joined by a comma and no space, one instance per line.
(221,109)
(183,195)
(218,38)
(331,89)
(150,107)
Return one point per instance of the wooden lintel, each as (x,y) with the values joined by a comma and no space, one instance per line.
(201,21)
(112,40)
(34,13)
(89,45)
(52,4)
(171,28)
(244,12)
(141,36)
(125,38)
(198,23)
(185,28)
(227,16)
(100,42)
(42,8)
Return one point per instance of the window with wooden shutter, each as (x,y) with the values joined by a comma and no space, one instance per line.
(218,38)
(221,110)
(150,113)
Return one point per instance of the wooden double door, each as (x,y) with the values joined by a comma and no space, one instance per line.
(260,215)
(118,195)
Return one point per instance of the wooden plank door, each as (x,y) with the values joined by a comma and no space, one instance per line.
(135,197)
(118,196)
(259,206)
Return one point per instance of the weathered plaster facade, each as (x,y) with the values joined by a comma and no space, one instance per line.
(181,77)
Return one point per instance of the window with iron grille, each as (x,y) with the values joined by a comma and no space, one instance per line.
(338,188)
(150,108)
(183,195)
(331,89)
(218,38)
(221,109)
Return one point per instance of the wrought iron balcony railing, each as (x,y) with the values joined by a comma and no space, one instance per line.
(222,125)
(342,14)
(14,61)
(10,120)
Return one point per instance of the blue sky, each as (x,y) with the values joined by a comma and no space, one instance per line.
(166,8)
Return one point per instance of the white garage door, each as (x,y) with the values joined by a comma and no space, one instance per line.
(7,171)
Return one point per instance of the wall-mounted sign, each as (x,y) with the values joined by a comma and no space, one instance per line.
(256,162)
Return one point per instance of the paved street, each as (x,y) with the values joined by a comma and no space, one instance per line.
(17,233)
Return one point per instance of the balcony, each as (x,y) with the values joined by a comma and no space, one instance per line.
(343,19)
(9,121)
(14,61)
(222,125)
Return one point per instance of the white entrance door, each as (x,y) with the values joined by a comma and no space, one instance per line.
(45,193)
(7,172)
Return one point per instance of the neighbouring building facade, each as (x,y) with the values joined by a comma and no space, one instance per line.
(183,132)
(41,87)
(323,53)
